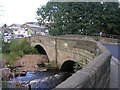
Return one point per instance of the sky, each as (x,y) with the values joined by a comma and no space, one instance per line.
(19,11)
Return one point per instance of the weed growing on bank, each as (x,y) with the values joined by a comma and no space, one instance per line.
(16,49)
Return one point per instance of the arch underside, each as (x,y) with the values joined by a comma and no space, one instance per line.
(41,50)
(70,66)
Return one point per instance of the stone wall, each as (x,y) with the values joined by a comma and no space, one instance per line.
(93,75)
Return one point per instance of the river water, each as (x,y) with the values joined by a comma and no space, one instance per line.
(114,49)
(39,80)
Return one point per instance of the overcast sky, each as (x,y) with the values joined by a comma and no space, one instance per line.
(19,11)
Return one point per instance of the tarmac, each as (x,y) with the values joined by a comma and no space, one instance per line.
(114,73)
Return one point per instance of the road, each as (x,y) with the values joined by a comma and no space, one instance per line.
(115,65)
(114,49)
(114,75)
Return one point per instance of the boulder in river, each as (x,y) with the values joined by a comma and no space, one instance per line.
(5,73)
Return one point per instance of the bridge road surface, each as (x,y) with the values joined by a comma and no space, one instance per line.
(115,65)
(114,73)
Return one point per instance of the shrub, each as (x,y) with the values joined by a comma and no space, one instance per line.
(16,49)
(5,47)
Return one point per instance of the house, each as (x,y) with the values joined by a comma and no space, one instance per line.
(18,31)
(15,26)
(34,28)
(6,34)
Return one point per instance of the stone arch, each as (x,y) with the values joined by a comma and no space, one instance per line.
(41,49)
(69,66)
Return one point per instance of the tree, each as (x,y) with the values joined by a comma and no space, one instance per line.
(80,17)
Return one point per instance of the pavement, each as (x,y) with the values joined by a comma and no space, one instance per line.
(114,74)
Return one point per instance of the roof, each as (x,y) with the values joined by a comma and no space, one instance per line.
(6,29)
(18,25)
(33,25)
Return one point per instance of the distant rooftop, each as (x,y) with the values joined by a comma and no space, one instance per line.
(33,25)
(18,25)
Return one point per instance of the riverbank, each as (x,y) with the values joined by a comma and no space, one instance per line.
(31,62)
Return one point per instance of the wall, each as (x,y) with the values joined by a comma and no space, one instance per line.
(93,75)
(96,38)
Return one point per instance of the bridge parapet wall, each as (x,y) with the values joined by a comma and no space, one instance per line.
(96,38)
(93,75)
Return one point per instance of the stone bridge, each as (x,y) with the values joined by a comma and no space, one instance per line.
(94,74)
(63,49)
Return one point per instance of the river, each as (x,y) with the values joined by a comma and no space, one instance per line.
(114,49)
(39,79)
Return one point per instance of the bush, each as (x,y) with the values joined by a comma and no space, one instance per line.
(16,49)
(27,49)
(20,48)
(5,47)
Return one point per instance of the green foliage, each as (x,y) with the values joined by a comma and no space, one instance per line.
(4,85)
(76,67)
(10,58)
(80,17)
(82,61)
(16,49)
(5,47)
(20,48)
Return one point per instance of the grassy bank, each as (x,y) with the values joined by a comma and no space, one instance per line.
(15,50)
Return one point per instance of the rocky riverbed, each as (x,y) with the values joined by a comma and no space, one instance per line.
(31,62)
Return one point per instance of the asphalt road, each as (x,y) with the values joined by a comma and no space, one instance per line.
(115,65)
(114,49)
(114,74)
